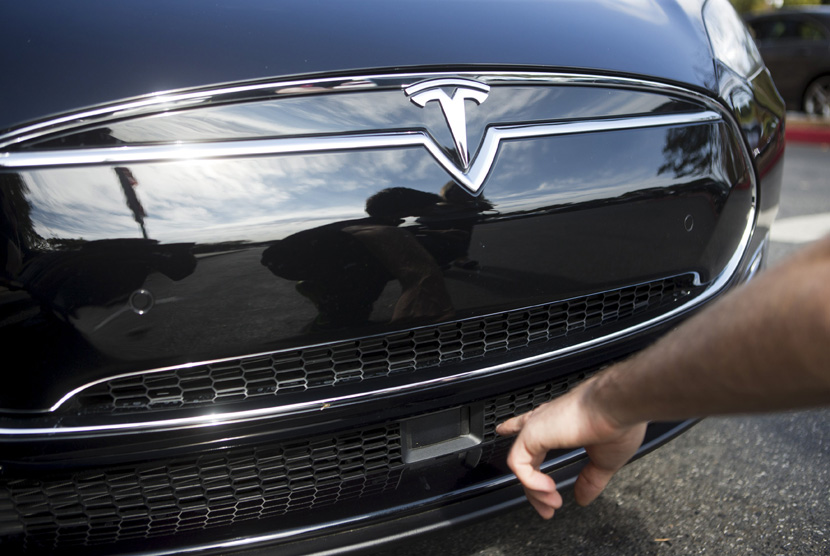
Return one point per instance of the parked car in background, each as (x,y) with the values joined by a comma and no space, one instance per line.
(273,272)
(795,45)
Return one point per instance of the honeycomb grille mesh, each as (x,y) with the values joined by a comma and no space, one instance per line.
(106,506)
(163,499)
(496,410)
(511,404)
(365,359)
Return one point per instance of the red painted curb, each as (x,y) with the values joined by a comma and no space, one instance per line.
(807,134)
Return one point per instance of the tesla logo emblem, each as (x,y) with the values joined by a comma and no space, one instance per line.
(452,105)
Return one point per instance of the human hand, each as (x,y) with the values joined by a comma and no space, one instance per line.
(570,421)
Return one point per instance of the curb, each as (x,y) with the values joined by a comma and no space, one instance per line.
(801,129)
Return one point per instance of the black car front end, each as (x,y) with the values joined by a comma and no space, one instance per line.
(291,310)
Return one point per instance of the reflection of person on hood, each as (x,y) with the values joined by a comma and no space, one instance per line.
(332,269)
(423,293)
(343,267)
(454,217)
(446,220)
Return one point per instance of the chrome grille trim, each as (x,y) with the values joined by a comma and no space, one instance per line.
(333,364)
(327,403)
(164,101)
(472,179)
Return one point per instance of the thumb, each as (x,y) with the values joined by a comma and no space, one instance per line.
(590,483)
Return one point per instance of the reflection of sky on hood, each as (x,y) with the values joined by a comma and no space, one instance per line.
(290,116)
(381,111)
(255,199)
(647,10)
(83,203)
(263,199)
(576,168)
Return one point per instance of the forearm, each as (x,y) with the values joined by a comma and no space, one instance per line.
(764,347)
(760,348)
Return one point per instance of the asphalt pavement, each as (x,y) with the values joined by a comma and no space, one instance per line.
(730,486)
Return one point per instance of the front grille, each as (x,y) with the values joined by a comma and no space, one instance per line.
(106,506)
(511,404)
(159,499)
(353,361)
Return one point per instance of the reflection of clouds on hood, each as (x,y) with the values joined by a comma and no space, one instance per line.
(362,112)
(503,105)
(541,103)
(266,198)
(83,203)
(647,10)
(588,156)
(311,114)
(560,168)
(252,199)
(573,191)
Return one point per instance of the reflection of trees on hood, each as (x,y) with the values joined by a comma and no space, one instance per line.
(689,150)
(18,238)
(16,223)
(128,185)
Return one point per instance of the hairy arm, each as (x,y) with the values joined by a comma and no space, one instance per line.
(763,347)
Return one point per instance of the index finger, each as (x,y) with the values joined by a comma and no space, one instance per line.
(513,425)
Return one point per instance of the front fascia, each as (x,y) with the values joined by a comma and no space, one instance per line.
(604,161)
(607,228)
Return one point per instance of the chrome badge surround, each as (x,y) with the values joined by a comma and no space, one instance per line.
(420,89)
(452,105)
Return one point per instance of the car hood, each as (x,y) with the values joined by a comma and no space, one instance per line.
(59,56)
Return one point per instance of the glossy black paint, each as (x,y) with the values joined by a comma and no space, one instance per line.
(135,48)
(115,268)
(273,253)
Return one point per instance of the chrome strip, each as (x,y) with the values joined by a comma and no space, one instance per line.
(166,101)
(157,103)
(695,277)
(472,179)
(757,259)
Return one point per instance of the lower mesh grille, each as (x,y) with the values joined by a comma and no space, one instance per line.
(504,407)
(107,506)
(359,360)
(497,410)
(204,492)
